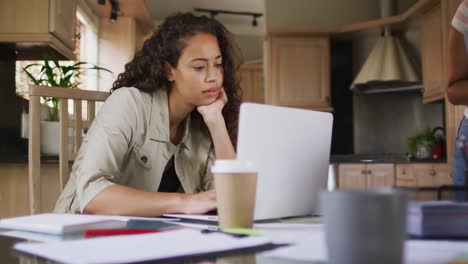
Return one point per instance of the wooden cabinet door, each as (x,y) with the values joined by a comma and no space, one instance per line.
(251,82)
(23,17)
(404,175)
(380,175)
(432,60)
(352,176)
(299,72)
(443,174)
(62,21)
(425,175)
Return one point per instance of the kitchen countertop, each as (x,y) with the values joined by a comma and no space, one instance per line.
(347,158)
(19,158)
(380,158)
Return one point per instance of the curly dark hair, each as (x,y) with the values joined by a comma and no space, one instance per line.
(147,70)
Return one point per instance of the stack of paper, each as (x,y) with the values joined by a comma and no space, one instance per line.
(136,248)
(60,224)
(438,219)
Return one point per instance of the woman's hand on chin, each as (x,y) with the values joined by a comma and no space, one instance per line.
(213,112)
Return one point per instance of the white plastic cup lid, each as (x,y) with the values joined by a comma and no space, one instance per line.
(233,166)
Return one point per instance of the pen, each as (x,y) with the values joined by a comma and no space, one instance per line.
(116,232)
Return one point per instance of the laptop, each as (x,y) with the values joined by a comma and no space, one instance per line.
(291,150)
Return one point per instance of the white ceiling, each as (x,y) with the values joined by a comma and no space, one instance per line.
(237,24)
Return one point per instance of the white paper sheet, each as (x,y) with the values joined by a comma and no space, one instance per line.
(308,244)
(289,233)
(39,237)
(307,241)
(433,251)
(133,248)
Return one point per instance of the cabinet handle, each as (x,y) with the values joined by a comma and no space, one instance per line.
(403,171)
(327,99)
(363,171)
(369,171)
(432,172)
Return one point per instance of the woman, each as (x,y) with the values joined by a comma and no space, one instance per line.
(457,76)
(171,112)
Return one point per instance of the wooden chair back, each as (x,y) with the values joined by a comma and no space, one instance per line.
(67,121)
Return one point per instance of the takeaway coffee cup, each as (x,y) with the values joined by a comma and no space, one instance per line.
(235,185)
(364,226)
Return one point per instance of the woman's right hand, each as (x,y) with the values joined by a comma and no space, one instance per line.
(199,203)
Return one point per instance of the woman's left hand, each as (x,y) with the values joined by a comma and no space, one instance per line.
(212,112)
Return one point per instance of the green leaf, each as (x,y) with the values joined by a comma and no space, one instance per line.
(51,73)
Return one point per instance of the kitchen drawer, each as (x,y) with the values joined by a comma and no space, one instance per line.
(404,175)
(425,175)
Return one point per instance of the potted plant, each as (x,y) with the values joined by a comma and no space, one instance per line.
(51,72)
(420,145)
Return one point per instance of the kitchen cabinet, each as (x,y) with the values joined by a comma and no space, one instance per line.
(39,22)
(367,176)
(404,175)
(380,175)
(362,176)
(14,184)
(299,72)
(352,176)
(423,175)
(251,83)
(432,54)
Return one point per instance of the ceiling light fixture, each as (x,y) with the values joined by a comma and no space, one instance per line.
(214,12)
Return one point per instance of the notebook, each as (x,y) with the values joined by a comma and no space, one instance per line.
(59,224)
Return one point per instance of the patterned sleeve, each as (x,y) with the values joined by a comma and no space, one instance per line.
(460,20)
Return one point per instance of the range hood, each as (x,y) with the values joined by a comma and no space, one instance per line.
(389,67)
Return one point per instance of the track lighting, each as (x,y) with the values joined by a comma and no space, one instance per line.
(214,12)
(114,11)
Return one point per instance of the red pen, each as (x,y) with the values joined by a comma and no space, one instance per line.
(116,232)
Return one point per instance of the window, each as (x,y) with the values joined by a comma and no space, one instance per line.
(86,50)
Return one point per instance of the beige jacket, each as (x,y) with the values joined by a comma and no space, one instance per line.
(128,144)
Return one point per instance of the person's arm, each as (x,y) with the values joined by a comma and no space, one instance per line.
(214,120)
(123,200)
(99,162)
(457,69)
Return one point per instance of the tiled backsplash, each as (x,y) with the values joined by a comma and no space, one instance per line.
(383,122)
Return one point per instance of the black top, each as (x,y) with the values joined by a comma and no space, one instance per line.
(169,181)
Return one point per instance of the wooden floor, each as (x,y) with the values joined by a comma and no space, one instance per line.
(14,192)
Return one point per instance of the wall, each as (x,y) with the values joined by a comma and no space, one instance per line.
(251,47)
(403,5)
(116,47)
(383,123)
(318,13)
